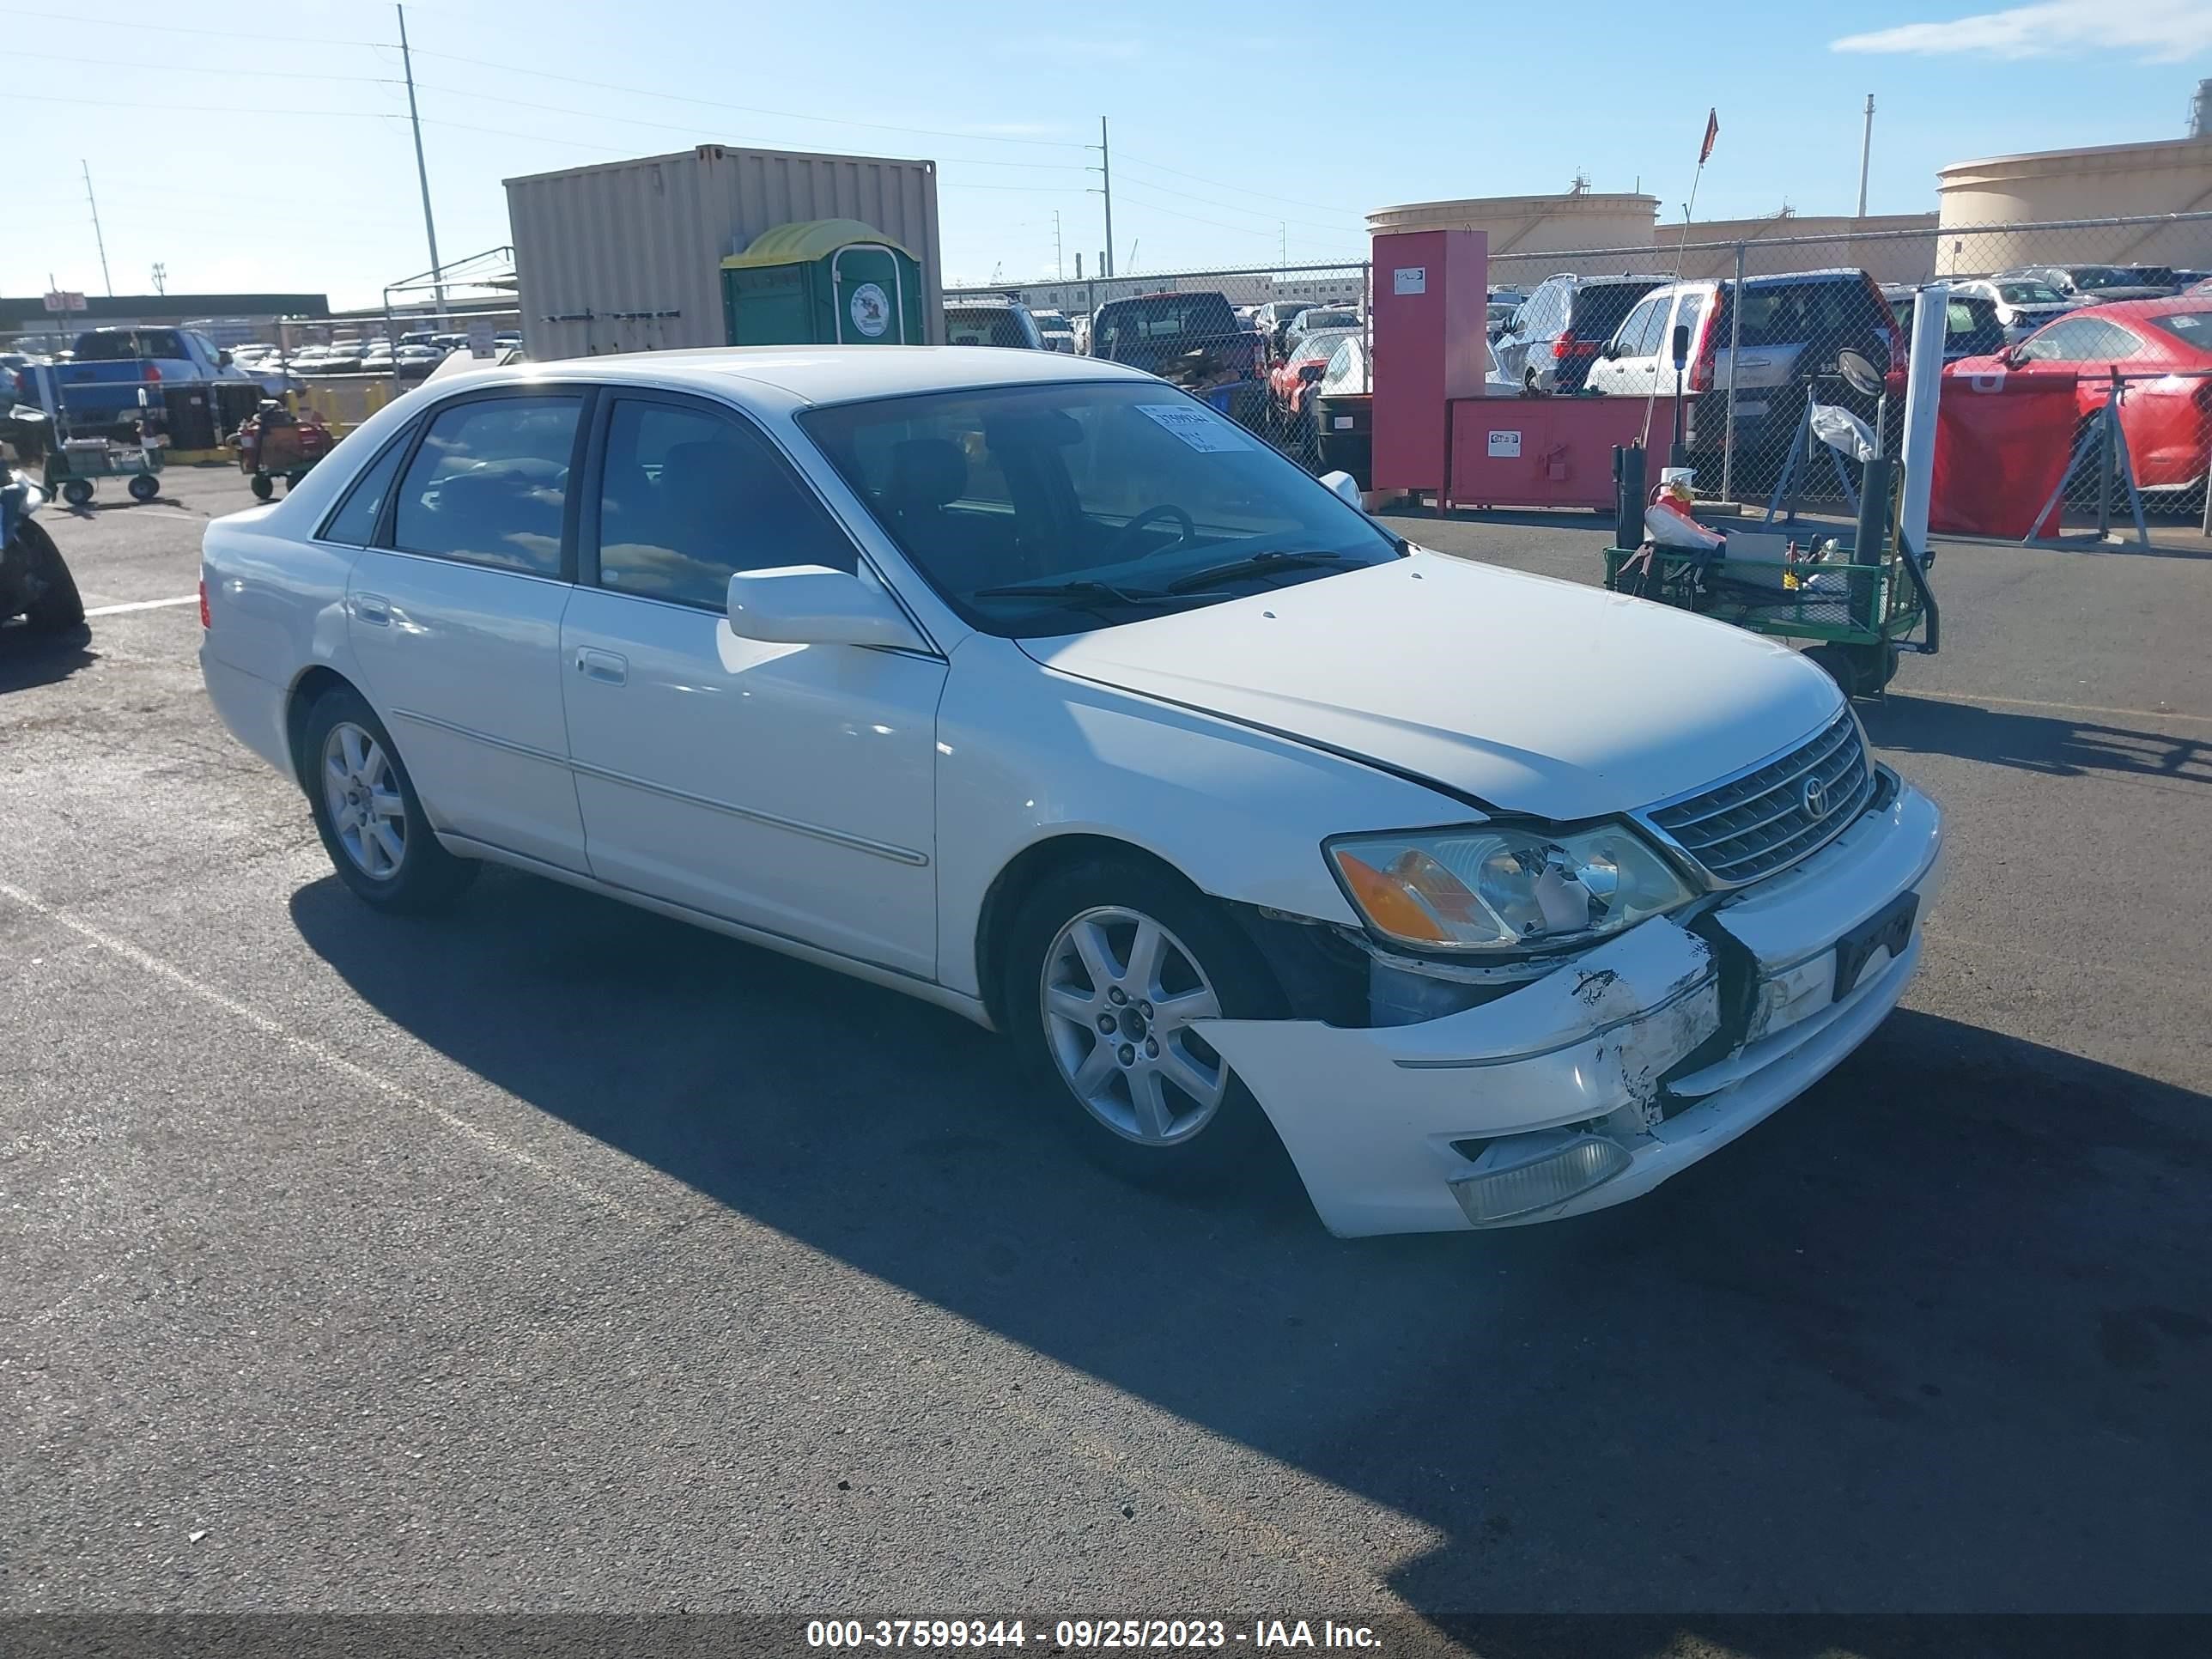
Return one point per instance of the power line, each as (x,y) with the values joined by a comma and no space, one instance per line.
(1310,224)
(1223,183)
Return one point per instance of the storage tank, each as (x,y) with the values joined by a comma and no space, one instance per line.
(1525,230)
(1895,247)
(2172,175)
(627,256)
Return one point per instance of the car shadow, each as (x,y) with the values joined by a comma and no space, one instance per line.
(1933,1336)
(28,658)
(2049,743)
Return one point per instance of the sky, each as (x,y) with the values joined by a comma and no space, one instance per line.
(279,158)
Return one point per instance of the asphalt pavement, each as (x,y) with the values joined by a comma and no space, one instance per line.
(552,1255)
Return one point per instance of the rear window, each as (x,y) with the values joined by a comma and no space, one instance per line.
(104,348)
(2190,327)
(1817,313)
(985,325)
(1164,317)
(1599,308)
(2030,294)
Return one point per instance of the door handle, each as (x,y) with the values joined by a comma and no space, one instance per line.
(373,608)
(602,666)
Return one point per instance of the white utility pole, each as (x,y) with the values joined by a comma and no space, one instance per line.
(421,167)
(99,240)
(1866,155)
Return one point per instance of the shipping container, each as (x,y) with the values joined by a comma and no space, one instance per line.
(627,256)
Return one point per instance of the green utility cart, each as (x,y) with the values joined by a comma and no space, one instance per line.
(823,282)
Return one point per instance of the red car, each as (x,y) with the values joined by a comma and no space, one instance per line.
(2162,350)
(1292,377)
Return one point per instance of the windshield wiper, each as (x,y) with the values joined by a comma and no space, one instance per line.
(1256,564)
(1087,588)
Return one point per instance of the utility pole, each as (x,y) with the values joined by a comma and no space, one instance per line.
(421,167)
(1106,176)
(1059,270)
(1283,247)
(161,277)
(99,240)
(1866,155)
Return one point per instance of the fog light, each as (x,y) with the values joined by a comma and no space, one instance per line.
(1554,1171)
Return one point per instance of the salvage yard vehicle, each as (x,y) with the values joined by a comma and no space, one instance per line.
(1190,339)
(1028,686)
(35,583)
(1555,332)
(2161,349)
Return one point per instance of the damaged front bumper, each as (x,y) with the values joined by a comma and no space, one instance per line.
(1594,1083)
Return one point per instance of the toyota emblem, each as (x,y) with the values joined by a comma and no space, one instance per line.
(1816,798)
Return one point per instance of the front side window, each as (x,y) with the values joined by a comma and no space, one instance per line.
(489,484)
(1637,326)
(1059,508)
(689,497)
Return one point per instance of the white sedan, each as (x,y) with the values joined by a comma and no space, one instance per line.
(1028,685)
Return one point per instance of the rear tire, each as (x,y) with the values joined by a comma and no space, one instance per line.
(1141,1101)
(144,487)
(365,810)
(77,492)
(261,485)
(53,606)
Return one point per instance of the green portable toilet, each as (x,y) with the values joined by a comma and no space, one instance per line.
(823,282)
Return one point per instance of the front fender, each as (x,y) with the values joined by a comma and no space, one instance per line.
(1025,754)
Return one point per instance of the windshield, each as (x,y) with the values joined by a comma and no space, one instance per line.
(2096,276)
(1135,488)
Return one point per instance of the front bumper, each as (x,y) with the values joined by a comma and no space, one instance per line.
(1588,1063)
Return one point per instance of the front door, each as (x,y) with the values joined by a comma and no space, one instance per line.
(790,787)
(454,617)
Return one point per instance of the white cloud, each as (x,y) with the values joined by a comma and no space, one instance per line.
(2163,31)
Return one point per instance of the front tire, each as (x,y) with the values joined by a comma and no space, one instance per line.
(370,819)
(53,606)
(1117,944)
(144,487)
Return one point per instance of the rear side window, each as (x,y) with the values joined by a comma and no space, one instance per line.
(1165,317)
(2191,328)
(690,498)
(354,524)
(986,325)
(489,484)
(116,346)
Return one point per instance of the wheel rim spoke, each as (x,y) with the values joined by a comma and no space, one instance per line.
(1076,1007)
(1096,952)
(1204,1084)
(1091,1077)
(1150,1103)
(1179,1009)
(1143,973)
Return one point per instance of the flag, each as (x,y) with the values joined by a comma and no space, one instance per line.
(1712,131)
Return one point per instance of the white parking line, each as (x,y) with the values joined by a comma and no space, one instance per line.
(322,1055)
(142,605)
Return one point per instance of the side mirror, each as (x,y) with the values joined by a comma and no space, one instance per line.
(1343,486)
(222,360)
(812,604)
(1610,350)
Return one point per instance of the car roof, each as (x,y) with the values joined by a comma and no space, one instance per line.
(2144,311)
(826,374)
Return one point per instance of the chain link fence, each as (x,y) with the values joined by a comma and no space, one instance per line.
(1767,320)
(1252,342)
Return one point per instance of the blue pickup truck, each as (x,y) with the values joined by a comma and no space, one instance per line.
(109,367)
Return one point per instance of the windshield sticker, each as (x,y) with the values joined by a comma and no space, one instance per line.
(1202,431)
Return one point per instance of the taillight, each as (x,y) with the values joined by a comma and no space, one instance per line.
(205,621)
(1702,361)
(1559,349)
(152,371)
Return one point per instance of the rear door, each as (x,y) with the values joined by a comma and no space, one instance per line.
(1629,364)
(454,617)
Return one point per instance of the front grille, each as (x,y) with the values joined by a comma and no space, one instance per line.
(1753,825)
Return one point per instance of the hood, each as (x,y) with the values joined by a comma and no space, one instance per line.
(1534,695)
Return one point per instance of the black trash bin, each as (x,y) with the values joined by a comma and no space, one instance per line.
(1345,425)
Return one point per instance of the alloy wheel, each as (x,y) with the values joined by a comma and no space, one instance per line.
(361,790)
(1118,995)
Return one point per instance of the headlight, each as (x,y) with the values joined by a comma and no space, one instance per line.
(1503,888)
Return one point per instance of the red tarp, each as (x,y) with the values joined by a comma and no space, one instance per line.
(2001,445)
